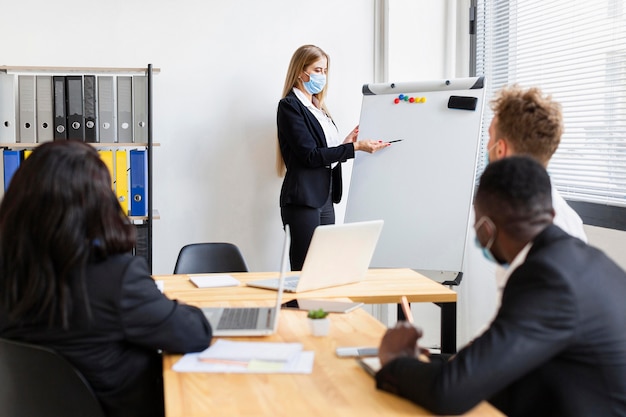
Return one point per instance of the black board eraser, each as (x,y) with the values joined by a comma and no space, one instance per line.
(462,103)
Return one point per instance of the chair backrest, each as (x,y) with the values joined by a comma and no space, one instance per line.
(37,381)
(201,258)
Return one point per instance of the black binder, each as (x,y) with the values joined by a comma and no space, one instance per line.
(60,120)
(91,122)
(75,118)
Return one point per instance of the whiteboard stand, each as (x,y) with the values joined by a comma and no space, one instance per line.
(451,279)
(422,185)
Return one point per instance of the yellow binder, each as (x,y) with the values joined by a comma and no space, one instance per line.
(107,157)
(121,179)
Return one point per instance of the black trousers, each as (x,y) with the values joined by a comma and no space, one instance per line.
(302,221)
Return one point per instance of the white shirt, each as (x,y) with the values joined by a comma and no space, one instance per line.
(329,128)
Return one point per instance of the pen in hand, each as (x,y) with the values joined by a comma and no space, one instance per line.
(406,308)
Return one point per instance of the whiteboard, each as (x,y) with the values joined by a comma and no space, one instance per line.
(422,186)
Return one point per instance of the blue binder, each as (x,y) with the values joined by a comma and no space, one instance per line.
(138,182)
(12,161)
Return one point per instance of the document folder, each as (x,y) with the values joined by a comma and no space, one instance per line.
(107,158)
(60,121)
(107,114)
(75,118)
(1,172)
(28,129)
(45,115)
(8,90)
(140,109)
(121,179)
(91,121)
(138,182)
(125,109)
(12,161)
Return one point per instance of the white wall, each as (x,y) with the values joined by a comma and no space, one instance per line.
(612,242)
(222,65)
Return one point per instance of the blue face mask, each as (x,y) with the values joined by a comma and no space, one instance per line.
(486,250)
(316,83)
(487,161)
(487,253)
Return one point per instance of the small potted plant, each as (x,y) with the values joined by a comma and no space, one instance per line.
(319,322)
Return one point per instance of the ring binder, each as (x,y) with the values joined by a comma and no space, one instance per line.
(74,95)
(60,122)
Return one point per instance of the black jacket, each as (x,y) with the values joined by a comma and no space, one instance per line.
(557,346)
(117,350)
(307,156)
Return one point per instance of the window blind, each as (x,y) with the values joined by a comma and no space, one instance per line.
(575,51)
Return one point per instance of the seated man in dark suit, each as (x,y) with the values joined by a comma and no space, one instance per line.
(557,346)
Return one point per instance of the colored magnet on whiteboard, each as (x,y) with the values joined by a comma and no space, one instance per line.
(412,99)
(423,99)
(396,100)
(401,96)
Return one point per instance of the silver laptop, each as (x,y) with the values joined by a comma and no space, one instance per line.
(339,254)
(251,321)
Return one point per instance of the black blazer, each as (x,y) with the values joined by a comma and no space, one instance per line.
(307,156)
(557,346)
(116,351)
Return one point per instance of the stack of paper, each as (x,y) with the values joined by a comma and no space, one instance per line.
(213,281)
(248,357)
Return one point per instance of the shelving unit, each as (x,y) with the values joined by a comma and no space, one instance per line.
(142,222)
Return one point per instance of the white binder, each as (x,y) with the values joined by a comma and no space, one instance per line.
(27,111)
(140,109)
(125,109)
(8,91)
(107,113)
(45,118)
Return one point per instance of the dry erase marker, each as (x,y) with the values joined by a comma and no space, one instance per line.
(394,141)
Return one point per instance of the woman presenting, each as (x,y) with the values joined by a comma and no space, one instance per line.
(311,150)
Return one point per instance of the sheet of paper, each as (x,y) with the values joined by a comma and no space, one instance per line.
(301,363)
(247,351)
(213,281)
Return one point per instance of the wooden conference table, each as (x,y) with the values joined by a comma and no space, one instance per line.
(336,386)
(380,286)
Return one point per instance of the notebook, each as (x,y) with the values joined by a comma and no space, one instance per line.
(250,321)
(339,254)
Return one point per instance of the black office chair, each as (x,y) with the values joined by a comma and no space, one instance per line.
(37,381)
(201,258)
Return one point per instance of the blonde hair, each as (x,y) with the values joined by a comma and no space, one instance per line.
(302,58)
(530,121)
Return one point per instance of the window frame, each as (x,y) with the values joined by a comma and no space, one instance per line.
(592,213)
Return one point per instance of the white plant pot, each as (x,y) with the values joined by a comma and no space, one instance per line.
(319,327)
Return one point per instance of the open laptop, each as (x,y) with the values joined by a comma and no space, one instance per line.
(339,254)
(251,321)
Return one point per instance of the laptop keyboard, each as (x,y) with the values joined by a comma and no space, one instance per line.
(239,318)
